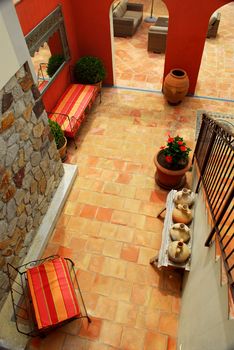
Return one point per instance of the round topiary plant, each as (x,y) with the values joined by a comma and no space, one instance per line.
(57,132)
(55,61)
(89,70)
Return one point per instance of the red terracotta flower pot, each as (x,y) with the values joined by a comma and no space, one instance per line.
(170,179)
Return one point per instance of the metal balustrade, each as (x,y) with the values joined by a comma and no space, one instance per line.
(214,156)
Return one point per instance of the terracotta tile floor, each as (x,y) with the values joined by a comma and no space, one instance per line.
(108,225)
(136,67)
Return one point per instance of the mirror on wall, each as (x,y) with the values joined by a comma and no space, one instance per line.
(48,47)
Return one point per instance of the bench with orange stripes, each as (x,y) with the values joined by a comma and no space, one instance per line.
(72,107)
(52,291)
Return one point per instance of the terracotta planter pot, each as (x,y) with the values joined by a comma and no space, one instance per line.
(63,150)
(170,179)
(175,86)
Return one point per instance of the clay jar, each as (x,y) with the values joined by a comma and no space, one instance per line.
(175,86)
(182,214)
(178,251)
(180,231)
(185,196)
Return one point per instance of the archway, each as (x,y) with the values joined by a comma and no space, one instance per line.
(188,25)
(135,64)
(216,73)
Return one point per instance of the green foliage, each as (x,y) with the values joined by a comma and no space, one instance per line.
(57,132)
(54,63)
(176,152)
(89,70)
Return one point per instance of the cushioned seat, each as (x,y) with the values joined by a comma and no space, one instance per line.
(157,38)
(71,108)
(53,296)
(126,18)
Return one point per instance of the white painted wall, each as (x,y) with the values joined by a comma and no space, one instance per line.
(204,323)
(13,48)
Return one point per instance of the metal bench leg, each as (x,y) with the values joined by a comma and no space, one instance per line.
(161,211)
(154,260)
(74,142)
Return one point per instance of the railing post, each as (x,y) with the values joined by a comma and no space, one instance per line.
(209,149)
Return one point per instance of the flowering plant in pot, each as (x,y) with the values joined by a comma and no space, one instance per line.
(172,162)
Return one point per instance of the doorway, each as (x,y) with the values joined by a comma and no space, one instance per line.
(216,73)
(134,65)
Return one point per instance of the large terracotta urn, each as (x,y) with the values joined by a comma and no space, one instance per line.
(169,178)
(175,86)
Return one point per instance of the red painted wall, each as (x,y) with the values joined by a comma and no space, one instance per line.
(88,29)
(93,31)
(55,44)
(188,23)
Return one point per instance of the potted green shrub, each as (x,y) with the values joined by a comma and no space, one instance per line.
(59,138)
(55,61)
(89,70)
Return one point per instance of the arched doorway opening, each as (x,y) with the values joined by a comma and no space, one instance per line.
(133,64)
(216,74)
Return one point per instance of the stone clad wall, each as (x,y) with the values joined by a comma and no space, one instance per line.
(30,169)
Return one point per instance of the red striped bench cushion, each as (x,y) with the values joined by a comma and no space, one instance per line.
(53,296)
(73,103)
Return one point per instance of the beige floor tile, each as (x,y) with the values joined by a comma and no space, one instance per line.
(54,341)
(114,268)
(112,248)
(121,290)
(155,338)
(160,300)
(111,333)
(103,285)
(168,324)
(96,263)
(129,252)
(126,313)
(145,255)
(106,308)
(148,318)
(132,205)
(120,217)
(140,294)
(132,339)
(124,234)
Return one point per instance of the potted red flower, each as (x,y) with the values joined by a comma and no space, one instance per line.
(172,162)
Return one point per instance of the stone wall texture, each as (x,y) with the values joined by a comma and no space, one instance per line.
(30,169)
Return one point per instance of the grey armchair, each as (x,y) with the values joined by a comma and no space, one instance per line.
(126,18)
(157,39)
(213,25)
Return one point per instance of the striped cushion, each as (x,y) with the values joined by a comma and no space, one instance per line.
(73,103)
(53,296)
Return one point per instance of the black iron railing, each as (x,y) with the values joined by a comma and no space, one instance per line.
(214,156)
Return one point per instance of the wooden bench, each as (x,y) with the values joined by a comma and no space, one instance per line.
(72,107)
